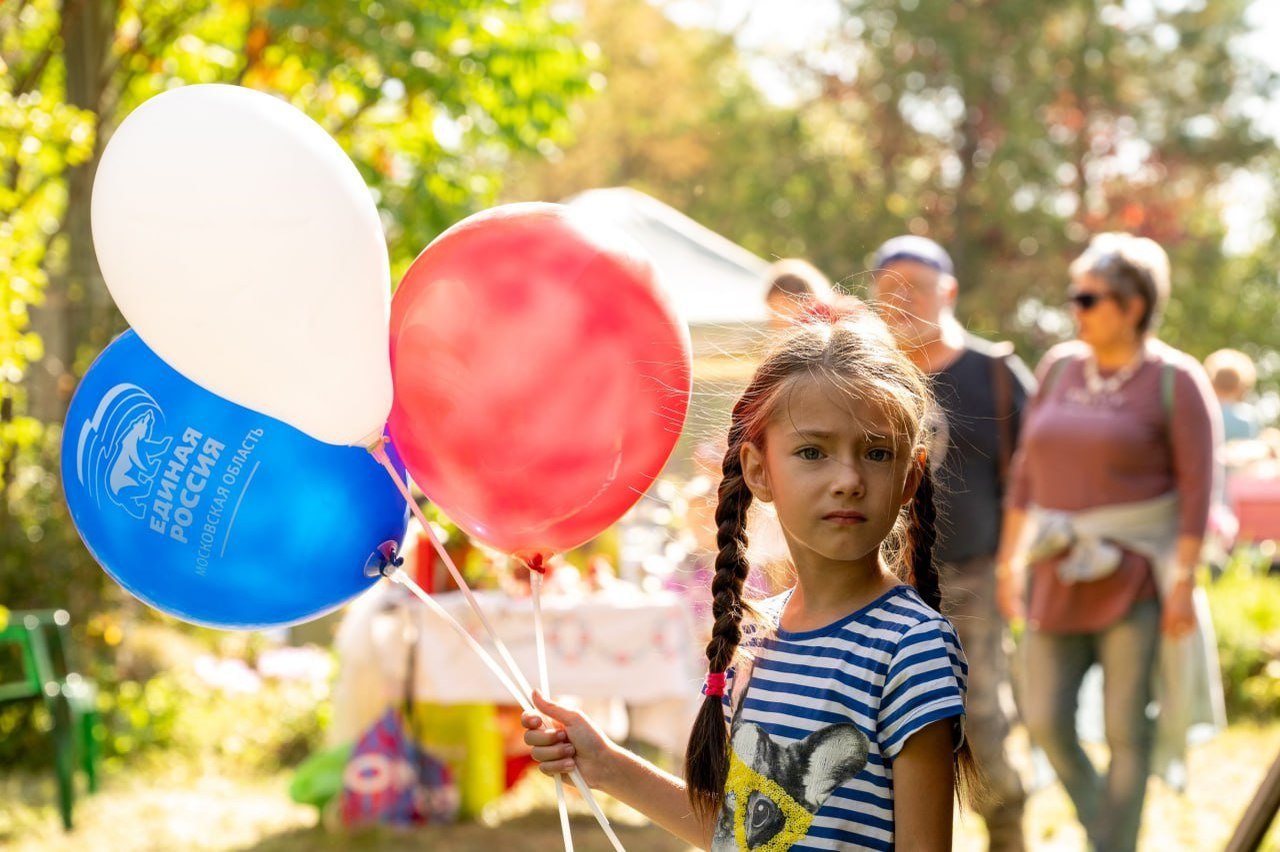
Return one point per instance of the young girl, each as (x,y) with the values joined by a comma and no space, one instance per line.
(838,725)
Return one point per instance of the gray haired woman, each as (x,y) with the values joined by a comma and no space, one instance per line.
(1105,521)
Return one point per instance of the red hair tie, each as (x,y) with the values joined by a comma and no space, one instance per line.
(714,684)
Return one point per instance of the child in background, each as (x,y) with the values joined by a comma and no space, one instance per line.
(833,711)
(797,292)
(1233,376)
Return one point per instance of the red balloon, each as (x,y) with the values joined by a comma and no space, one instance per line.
(541,377)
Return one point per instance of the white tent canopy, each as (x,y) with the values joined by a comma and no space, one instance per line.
(716,285)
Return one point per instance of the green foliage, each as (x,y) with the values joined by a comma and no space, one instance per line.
(428,100)
(40,138)
(1012,134)
(715,148)
(43,564)
(1246,615)
(194,694)
(275,726)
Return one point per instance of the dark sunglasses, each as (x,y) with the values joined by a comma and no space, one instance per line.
(1086,301)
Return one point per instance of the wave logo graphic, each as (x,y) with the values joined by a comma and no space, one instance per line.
(121,448)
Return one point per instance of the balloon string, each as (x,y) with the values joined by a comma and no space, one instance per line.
(523,699)
(523,695)
(544,683)
(399,576)
(379,452)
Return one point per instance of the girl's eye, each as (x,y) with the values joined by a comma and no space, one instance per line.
(809,453)
(880,454)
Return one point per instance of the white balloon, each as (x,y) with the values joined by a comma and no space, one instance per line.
(243,246)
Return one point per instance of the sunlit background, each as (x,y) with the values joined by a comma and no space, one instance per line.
(734,133)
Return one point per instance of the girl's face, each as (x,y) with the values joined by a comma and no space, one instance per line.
(836,472)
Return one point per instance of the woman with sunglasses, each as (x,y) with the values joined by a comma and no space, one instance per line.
(1106,515)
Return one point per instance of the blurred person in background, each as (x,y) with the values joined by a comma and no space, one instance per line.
(981,390)
(796,289)
(1233,376)
(1242,455)
(1107,514)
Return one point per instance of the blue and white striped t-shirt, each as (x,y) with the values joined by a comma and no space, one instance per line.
(825,713)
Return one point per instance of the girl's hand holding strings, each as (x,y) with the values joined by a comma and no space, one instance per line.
(562,738)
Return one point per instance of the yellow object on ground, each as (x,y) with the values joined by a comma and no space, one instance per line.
(468,738)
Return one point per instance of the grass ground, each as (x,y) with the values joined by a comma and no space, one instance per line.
(177,806)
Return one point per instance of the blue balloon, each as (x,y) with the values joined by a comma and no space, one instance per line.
(213,512)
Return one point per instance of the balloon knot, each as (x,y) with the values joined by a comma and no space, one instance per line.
(536,562)
(384,561)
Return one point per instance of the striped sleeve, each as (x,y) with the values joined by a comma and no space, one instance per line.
(925,683)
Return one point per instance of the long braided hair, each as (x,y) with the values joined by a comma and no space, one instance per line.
(856,354)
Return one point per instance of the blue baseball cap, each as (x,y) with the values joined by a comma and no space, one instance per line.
(912,247)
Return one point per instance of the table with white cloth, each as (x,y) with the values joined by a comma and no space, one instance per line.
(629,658)
(618,646)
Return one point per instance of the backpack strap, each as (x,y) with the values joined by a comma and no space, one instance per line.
(1053,375)
(1002,393)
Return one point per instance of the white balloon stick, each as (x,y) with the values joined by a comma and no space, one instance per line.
(380,453)
(544,678)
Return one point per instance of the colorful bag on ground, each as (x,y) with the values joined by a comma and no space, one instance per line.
(389,779)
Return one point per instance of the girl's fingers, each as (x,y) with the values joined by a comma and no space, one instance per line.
(559,767)
(553,753)
(532,721)
(545,737)
(557,712)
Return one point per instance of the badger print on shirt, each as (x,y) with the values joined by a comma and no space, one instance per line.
(773,790)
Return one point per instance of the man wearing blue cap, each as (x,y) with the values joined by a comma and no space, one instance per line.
(981,389)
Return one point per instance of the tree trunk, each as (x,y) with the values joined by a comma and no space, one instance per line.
(966,239)
(76,308)
(963,237)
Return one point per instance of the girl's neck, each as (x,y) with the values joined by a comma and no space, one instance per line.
(823,597)
(1118,354)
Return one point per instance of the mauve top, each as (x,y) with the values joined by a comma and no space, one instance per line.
(1080,451)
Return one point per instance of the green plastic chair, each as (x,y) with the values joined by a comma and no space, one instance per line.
(43,641)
